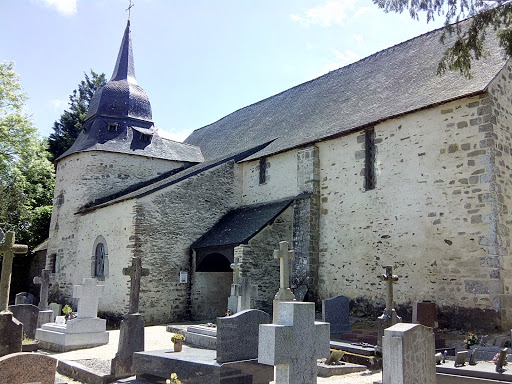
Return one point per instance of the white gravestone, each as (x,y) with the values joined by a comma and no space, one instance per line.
(408,355)
(85,331)
(294,344)
(285,257)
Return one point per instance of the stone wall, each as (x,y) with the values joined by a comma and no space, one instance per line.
(259,264)
(167,222)
(81,178)
(429,215)
(496,125)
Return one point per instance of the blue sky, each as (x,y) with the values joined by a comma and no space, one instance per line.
(198,60)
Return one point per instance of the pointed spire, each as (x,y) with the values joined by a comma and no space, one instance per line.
(124,69)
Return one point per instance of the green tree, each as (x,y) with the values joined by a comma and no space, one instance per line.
(470,37)
(26,174)
(68,127)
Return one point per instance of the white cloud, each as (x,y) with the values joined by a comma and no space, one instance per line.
(64,7)
(359,39)
(333,12)
(361,11)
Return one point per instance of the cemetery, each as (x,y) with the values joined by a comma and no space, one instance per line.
(228,271)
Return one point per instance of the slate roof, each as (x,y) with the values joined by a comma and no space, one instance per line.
(124,103)
(242,224)
(390,83)
(121,96)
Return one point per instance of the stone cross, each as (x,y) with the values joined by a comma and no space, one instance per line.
(88,295)
(247,291)
(389,278)
(236,267)
(135,272)
(294,344)
(9,249)
(44,281)
(285,293)
(285,256)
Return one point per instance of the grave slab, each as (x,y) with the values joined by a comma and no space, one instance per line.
(335,311)
(23,368)
(200,367)
(483,370)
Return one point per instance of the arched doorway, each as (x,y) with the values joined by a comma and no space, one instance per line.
(211,284)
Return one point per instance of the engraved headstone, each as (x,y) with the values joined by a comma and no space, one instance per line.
(285,256)
(408,355)
(294,344)
(27,314)
(237,335)
(29,368)
(336,312)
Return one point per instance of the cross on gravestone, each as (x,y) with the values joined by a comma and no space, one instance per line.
(389,278)
(285,293)
(237,270)
(44,281)
(285,256)
(88,295)
(135,272)
(9,249)
(294,344)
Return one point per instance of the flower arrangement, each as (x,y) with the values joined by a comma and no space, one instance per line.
(177,337)
(173,379)
(67,310)
(472,339)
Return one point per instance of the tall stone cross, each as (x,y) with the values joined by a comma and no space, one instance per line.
(389,278)
(285,256)
(135,272)
(389,317)
(285,293)
(9,249)
(236,267)
(88,295)
(294,344)
(44,281)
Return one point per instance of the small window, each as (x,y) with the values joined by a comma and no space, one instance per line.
(263,170)
(145,137)
(99,259)
(112,127)
(369,169)
(52,263)
(60,199)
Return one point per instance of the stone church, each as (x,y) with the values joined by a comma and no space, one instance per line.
(381,162)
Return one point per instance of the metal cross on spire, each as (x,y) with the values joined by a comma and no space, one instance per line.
(129,9)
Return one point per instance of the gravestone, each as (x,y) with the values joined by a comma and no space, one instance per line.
(84,331)
(425,313)
(460,358)
(472,359)
(56,308)
(46,315)
(408,355)
(285,255)
(10,328)
(27,314)
(294,344)
(237,335)
(336,312)
(234,299)
(389,317)
(29,368)
(24,298)
(502,361)
(131,336)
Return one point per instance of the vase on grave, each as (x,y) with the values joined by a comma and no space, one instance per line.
(178,345)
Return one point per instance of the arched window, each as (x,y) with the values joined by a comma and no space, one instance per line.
(99,259)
